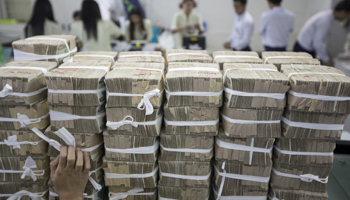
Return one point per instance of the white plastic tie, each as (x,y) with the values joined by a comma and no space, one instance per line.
(184,53)
(279,96)
(139,150)
(208,69)
(146,103)
(12,141)
(61,116)
(132,192)
(291,57)
(77,91)
(186,177)
(95,55)
(43,69)
(318,97)
(195,94)
(8,91)
(18,195)
(303,153)
(140,55)
(116,125)
(106,68)
(249,69)
(239,121)
(305,177)
(93,182)
(233,56)
(315,126)
(191,123)
(24,119)
(118,176)
(187,150)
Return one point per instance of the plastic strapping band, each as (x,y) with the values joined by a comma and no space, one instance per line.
(186,177)
(117,176)
(233,56)
(12,141)
(239,121)
(139,150)
(249,69)
(142,69)
(238,147)
(305,177)
(85,67)
(163,198)
(291,57)
(43,69)
(77,91)
(187,150)
(132,192)
(116,125)
(140,55)
(315,126)
(243,177)
(195,94)
(61,116)
(240,197)
(195,69)
(8,91)
(178,54)
(319,97)
(313,73)
(95,55)
(18,195)
(279,96)
(53,194)
(191,123)
(24,119)
(303,153)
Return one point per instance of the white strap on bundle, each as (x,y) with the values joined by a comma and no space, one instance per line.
(279,96)
(24,119)
(305,177)
(163,198)
(43,69)
(118,176)
(77,91)
(8,91)
(140,55)
(184,53)
(191,123)
(61,116)
(208,69)
(125,121)
(291,57)
(53,194)
(132,192)
(186,177)
(22,193)
(329,127)
(145,101)
(95,55)
(239,197)
(318,97)
(106,68)
(28,167)
(12,141)
(20,55)
(249,69)
(69,139)
(187,150)
(233,56)
(313,73)
(139,150)
(239,121)
(237,176)
(303,153)
(195,94)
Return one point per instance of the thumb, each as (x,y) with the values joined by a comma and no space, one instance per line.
(53,166)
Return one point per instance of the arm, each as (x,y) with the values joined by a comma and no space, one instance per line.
(320,40)
(127,31)
(174,25)
(262,27)
(248,33)
(114,30)
(199,26)
(149,30)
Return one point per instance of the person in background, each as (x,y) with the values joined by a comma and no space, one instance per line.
(42,21)
(186,22)
(243,28)
(276,26)
(94,33)
(70,173)
(76,16)
(313,36)
(138,28)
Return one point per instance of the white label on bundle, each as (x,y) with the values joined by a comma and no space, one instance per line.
(279,96)
(305,177)
(139,150)
(77,91)
(12,141)
(291,57)
(195,69)
(61,116)
(117,176)
(116,125)
(315,126)
(240,121)
(132,192)
(186,177)
(43,69)
(191,123)
(85,67)
(303,153)
(8,91)
(187,150)
(22,193)
(24,119)
(318,97)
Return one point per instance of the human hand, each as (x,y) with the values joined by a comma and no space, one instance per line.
(330,63)
(188,27)
(70,173)
(227,45)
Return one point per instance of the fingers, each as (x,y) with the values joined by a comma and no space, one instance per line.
(87,165)
(63,157)
(71,157)
(53,166)
(80,161)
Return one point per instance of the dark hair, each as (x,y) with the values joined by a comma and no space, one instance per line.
(343,5)
(42,10)
(184,1)
(76,14)
(275,2)
(243,2)
(90,14)
(136,11)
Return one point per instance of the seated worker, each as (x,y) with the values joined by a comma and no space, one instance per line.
(138,28)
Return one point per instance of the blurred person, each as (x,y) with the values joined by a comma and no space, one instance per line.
(107,9)
(42,21)
(94,32)
(76,16)
(276,26)
(186,22)
(314,34)
(69,173)
(243,28)
(138,28)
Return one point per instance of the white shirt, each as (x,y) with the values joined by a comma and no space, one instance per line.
(242,32)
(276,26)
(314,34)
(106,8)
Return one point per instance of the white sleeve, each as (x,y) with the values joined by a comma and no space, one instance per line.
(292,24)
(248,34)
(263,23)
(320,40)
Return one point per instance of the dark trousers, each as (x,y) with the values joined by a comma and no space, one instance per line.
(244,49)
(299,48)
(267,48)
